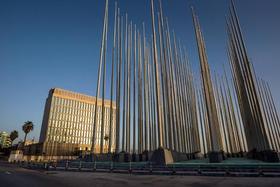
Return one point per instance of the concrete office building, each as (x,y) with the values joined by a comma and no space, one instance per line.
(67,125)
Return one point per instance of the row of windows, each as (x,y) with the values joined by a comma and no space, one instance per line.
(77,139)
(75,125)
(76,132)
(72,103)
(73,94)
(69,117)
(71,121)
(73,114)
(69,132)
(75,104)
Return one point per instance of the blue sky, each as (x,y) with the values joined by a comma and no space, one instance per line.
(55,43)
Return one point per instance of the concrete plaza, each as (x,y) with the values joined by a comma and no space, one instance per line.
(13,176)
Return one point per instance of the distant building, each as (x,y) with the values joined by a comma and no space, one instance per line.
(30,142)
(68,123)
(5,140)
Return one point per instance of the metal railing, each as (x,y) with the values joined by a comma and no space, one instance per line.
(247,170)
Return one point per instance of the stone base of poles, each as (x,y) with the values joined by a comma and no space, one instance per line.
(197,156)
(162,156)
(205,155)
(266,155)
(123,157)
(234,155)
(147,156)
(215,156)
(269,156)
(135,157)
(90,158)
(104,157)
(179,157)
(241,154)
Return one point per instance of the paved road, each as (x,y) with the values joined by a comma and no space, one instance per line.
(12,176)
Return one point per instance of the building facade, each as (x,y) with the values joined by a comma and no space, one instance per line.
(67,125)
(5,140)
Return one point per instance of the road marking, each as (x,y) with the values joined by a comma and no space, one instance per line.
(8,173)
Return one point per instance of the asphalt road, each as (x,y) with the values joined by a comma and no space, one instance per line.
(13,176)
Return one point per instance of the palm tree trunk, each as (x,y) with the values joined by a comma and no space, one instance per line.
(24,139)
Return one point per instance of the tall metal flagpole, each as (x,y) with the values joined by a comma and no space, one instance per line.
(222,114)
(231,111)
(145,90)
(188,97)
(149,102)
(274,110)
(227,119)
(134,91)
(208,89)
(112,81)
(153,107)
(158,95)
(274,118)
(254,115)
(103,93)
(166,81)
(172,91)
(124,88)
(128,89)
(241,126)
(168,87)
(251,94)
(152,140)
(205,121)
(163,74)
(267,117)
(99,75)
(118,87)
(201,122)
(177,94)
(140,111)
(183,98)
(232,123)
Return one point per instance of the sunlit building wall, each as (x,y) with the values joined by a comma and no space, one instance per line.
(68,123)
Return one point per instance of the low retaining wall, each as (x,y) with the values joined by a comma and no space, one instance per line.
(250,170)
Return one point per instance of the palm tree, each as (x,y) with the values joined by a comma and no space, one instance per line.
(106,138)
(27,127)
(13,136)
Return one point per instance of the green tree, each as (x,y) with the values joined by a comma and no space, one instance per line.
(27,127)
(13,136)
(106,138)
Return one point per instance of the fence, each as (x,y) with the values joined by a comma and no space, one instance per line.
(146,168)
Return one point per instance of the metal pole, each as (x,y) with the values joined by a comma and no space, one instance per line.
(158,95)
(112,81)
(103,94)
(134,90)
(118,87)
(99,75)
